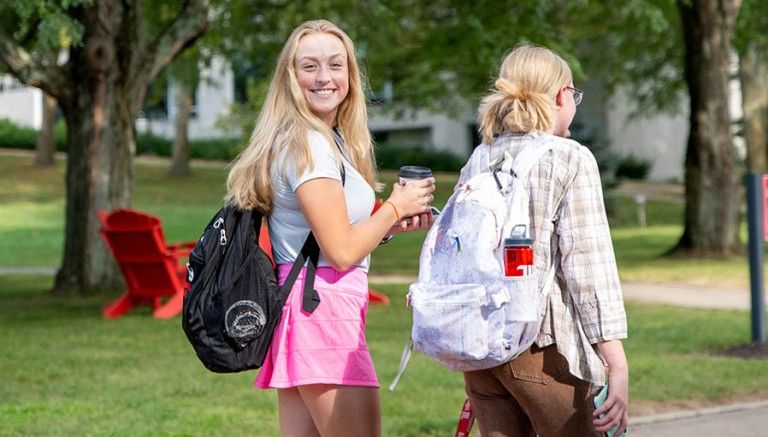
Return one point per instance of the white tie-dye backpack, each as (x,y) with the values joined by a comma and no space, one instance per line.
(467,315)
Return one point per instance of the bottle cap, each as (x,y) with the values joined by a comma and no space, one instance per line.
(518,241)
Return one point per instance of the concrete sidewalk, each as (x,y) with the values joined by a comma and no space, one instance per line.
(734,420)
(688,296)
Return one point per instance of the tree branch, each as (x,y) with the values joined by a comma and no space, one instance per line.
(31,70)
(187,27)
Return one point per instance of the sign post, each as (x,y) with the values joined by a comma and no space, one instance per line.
(757,216)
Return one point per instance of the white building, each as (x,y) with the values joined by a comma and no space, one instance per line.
(19,103)
(213,99)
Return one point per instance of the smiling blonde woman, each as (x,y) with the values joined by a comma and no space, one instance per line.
(310,166)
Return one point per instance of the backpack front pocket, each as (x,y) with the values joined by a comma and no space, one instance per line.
(449,321)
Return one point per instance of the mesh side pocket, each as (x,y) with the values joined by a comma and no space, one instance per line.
(523,305)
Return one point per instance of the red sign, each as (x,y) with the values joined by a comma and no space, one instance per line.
(765,207)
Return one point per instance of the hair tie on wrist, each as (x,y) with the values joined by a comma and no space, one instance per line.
(394,208)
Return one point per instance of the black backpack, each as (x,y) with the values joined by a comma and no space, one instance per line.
(233,304)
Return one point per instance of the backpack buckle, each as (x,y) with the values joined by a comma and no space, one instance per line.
(502,190)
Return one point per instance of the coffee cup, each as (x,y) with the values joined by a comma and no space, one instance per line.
(409,173)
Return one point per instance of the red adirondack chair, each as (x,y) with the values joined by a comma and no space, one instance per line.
(152,268)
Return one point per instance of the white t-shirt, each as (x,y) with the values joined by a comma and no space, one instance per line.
(287,227)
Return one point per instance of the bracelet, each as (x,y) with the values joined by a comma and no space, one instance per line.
(397,214)
(385,240)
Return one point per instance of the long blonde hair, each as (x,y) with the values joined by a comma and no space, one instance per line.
(286,120)
(523,98)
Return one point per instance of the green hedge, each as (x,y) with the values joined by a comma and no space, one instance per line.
(389,157)
(224,149)
(392,157)
(632,167)
(13,136)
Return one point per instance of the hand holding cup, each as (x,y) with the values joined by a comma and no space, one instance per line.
(412,196)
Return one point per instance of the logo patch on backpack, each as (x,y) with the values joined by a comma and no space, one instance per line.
(245,321)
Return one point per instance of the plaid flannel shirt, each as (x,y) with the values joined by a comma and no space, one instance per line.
(584,305)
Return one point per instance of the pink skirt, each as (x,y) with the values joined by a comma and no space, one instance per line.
(327,346)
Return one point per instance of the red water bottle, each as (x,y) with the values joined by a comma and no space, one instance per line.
(518,253)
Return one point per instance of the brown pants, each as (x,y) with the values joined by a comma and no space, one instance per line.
(532,394)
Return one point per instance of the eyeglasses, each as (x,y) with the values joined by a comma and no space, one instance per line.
(577,94)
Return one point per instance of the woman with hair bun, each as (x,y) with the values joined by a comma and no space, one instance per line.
(310,167)
(549,389)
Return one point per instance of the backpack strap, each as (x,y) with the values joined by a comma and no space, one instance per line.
(549,221)
(310,253)
(521,166)
(527,157)
(340,144)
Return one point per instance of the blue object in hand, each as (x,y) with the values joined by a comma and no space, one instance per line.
(600,400)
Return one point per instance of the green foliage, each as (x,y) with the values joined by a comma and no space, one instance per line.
(632,167)
(435,55)
(47,26)
(605,157)
(752,26)
(13,136)
(223,149)
(634,43)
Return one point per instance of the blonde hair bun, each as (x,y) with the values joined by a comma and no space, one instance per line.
(524,96)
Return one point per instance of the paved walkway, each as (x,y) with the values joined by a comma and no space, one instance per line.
(735,420)
(41,271)
(688,296)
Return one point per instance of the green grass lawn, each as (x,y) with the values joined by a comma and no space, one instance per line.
(68,371)
(32,210)
(32,204)
(65,370)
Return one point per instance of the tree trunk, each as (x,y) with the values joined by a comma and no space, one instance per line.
(753,71)
(100,89)
(711,170)
(46,142)
(99,136)
(180,154)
